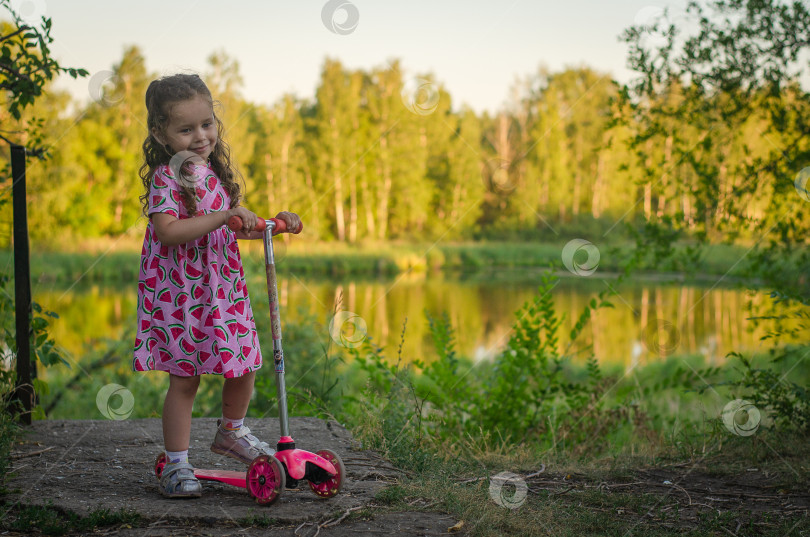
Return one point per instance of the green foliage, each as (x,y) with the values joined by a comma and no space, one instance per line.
(26,67)
(722,80)
(534,395)
(387,414)
(787,402)
(529,395)
(531,384)
(316,385)
(440,377)
(43,348)
(528,373)
(9,429)
(258,521)
(50,520)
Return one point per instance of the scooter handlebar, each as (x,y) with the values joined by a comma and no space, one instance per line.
(279,226)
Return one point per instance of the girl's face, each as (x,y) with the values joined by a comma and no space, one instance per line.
(191,127)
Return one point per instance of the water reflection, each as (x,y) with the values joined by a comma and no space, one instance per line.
(648,320)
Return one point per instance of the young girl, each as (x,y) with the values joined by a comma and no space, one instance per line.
(194,314)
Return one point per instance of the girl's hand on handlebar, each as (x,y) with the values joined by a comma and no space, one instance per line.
(293,221)
(249,219)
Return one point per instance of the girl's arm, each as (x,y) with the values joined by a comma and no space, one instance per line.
(172,231)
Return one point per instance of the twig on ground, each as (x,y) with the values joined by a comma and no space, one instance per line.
(342,517)
(566,491)
(317,528)
(728,531)
(524,477)
(16,456)
(382,477)
(609,486)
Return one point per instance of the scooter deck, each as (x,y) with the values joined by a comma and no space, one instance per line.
(229,477)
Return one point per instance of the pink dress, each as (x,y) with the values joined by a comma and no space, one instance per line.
(194,314)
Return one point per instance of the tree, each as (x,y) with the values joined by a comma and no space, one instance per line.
(731,86)
(26,67)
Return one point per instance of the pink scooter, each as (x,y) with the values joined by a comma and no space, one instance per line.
(267,477)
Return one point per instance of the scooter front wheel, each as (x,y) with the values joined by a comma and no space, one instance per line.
(265,479)
(332,485)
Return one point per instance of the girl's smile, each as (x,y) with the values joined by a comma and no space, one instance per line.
(191,127)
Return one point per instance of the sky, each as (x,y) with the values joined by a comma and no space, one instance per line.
(476,49)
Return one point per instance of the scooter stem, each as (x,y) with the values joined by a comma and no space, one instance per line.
(275,327)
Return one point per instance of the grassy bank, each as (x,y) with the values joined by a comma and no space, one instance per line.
(374,260)
(620,496)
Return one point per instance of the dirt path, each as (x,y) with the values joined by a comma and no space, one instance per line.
(85,465)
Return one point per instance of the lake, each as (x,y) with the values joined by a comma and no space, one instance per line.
(650,319)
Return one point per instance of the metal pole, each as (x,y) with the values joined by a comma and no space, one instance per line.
(26,369)
(275,328)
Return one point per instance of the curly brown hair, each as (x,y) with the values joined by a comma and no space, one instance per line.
(160,95)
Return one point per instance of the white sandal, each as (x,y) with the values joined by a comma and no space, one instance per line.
(178,481)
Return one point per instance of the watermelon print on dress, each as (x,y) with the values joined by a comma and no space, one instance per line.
(194,313)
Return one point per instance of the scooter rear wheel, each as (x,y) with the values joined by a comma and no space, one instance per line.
(331,486)
(160,462)
(265,479)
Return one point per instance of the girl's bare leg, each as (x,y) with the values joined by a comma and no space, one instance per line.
(177,412)
(236,394)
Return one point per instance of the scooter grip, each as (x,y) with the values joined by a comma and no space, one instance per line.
(281,226)
(235,224)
